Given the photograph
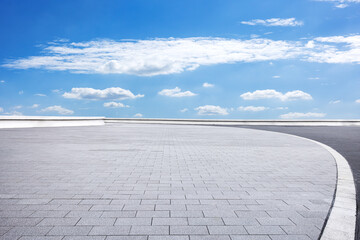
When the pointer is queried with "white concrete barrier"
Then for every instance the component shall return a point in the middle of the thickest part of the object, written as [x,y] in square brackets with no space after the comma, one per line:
[41,121]
[276,122]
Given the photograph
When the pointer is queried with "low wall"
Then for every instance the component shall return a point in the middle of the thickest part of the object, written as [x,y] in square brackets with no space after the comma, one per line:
[34,121]
[41,121]
[337,122]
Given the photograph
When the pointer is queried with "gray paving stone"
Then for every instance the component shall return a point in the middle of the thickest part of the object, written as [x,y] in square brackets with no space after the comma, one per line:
[96,221]
[58,222]
[110,230]
[66,230]
[168,238]
[41,238]
[226,230]
[206,221]
[84,237]
[169,221]
[133,221]
[127,238]
[251,237]
[188,230]
[208,237]
[196,182]
[264,230]
[149,230]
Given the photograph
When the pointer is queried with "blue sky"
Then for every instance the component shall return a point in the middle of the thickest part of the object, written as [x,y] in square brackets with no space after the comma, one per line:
[181,59]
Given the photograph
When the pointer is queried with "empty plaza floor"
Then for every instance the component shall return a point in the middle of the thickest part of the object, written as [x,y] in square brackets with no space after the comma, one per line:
[147,181]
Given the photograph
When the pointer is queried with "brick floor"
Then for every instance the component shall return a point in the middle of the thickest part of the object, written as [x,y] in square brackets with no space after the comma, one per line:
[138,181]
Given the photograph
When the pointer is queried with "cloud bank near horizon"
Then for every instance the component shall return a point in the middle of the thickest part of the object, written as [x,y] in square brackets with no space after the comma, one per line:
[163,56]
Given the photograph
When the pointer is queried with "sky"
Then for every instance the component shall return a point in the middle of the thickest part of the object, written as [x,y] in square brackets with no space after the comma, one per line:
[189,59]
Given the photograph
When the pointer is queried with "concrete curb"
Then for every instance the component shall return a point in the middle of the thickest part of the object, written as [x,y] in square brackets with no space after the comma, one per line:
[34,121]
[342,219]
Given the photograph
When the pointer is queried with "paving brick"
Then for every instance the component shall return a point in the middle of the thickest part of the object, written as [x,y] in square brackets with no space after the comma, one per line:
[58,222]
[110,230]
[206,221]
[188,230]
[169,221]
[96,221]
[149,230]
[133,221]
[66,230]
[226,230]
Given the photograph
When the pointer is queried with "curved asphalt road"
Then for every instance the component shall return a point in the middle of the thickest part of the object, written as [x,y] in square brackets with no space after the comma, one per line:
[345,140]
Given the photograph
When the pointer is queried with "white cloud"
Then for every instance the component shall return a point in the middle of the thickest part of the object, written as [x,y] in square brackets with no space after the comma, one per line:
[295,115]
[273,94]
[336,49]
[1,109]
[176,92]
[114,93]
[276,77]
[35,106]
[252,108]
[2,81]
[138,115]
[184,110]
[40,95]
[357,101]
[17,107]
[115,105]
[335,102]
[282,22]
[340,3]
[14,113]
[208,85]
[174,55]
[313,78]
[21,92]
[281,108]
[56,90]
[57,109]
[211,110]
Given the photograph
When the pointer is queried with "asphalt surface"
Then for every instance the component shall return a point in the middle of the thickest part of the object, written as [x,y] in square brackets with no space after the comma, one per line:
[345,140]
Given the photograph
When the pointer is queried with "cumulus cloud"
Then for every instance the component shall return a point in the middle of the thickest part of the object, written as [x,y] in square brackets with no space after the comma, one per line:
[57,109]
[273,94]
[357,101]
[252,108]
[184,110]
[40,95]
[114,93]
[208,85]
[271,22]
[138,115]
[176,92]
[336,49]
[295,115]
[340,3]
[211,110]
[35,106]
[115,105]
[174,55]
